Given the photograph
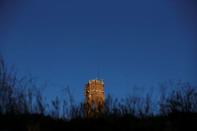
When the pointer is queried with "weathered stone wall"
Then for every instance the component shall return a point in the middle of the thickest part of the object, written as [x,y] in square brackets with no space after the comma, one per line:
[94,98]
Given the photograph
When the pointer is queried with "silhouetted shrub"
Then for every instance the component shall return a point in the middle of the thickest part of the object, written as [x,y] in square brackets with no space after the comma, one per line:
[22,106]
[182,99]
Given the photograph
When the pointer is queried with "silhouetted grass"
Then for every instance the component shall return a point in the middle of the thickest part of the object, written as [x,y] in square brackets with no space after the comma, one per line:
[22,107]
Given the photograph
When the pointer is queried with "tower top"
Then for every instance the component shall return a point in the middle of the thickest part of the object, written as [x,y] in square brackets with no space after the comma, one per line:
[95,81]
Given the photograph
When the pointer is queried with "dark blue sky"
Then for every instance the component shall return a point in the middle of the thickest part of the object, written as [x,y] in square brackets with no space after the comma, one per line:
[66,42]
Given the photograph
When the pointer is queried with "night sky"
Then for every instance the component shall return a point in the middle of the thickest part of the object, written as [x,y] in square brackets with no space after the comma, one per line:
[67,42]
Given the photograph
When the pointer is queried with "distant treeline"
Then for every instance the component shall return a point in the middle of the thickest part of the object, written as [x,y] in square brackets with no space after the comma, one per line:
[21,96]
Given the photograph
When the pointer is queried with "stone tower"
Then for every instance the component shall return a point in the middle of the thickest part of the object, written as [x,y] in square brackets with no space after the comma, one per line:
[94,98]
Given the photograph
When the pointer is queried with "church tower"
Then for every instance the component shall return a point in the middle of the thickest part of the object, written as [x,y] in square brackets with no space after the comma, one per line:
[94,98]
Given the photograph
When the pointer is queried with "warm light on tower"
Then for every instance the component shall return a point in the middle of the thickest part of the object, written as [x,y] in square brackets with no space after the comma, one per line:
[94,98]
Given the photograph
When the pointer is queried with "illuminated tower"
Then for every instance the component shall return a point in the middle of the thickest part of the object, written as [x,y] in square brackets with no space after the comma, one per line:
[94,98]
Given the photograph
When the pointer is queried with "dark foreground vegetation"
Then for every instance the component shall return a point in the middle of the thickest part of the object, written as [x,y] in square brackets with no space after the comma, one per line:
[22,107]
